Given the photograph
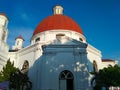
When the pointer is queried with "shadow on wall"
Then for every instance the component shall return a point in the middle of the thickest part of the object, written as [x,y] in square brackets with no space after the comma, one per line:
[62,67]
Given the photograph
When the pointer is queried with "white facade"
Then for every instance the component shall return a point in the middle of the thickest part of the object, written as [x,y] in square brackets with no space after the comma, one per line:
[58,59]
[3,39]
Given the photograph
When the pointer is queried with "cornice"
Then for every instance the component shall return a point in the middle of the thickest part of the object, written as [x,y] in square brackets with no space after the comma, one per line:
[92,49]
[65,46]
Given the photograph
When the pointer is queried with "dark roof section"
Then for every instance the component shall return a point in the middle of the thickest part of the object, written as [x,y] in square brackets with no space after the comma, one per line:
[108,60]
[20,37]
[13,50]
[3,14]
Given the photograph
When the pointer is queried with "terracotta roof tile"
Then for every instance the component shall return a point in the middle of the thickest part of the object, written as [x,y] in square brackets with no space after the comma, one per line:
[20,37]
[57,22]
[107,60]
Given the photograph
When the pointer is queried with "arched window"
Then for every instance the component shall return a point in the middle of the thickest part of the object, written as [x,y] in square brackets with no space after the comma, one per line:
[81,39]
[95,67]
[25,67]
[66,79]
[17,42]
[37,39]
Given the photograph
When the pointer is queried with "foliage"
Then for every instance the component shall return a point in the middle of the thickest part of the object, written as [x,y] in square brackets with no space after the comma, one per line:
[19,81]
[107,77]
[7,70]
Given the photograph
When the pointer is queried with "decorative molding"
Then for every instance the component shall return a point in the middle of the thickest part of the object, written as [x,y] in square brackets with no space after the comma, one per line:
[65,46]
[79,53]
[32,48]
[49,53]
[76,53]
[93,50]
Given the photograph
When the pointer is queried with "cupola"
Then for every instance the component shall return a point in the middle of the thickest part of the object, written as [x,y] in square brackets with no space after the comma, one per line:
[58,10]
[18,43]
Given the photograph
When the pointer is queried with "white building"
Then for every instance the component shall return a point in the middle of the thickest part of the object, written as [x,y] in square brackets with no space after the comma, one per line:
[59,56]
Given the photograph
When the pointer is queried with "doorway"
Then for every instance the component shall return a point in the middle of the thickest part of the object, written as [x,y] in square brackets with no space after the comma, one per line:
[66,80]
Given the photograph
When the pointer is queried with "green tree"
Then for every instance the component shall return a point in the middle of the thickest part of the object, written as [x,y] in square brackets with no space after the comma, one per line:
[17,80]
[7,70]
[107,77]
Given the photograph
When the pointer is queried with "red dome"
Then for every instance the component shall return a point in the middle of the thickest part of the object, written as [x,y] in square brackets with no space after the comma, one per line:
[58,22]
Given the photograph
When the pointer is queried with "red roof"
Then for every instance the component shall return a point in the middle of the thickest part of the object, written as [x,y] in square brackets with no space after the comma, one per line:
[20,37]
[3,14]
[107,60]
[58,22]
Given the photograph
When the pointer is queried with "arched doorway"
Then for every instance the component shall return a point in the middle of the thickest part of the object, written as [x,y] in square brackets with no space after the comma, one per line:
[66,79]
[95,67]
[25,67]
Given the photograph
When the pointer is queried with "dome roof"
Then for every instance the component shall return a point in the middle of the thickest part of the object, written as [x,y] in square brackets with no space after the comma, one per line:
[20,37]
[3,14]
[57,21]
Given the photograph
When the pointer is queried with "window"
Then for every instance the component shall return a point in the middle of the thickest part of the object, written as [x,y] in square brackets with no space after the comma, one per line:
[38,39]
[66,80]
[81,39]
[17,42]
[58,36]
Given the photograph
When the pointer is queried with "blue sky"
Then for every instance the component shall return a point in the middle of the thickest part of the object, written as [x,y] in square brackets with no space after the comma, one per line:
[99,20]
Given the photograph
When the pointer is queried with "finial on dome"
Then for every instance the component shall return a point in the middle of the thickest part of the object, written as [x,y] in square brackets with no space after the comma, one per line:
[58,9]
